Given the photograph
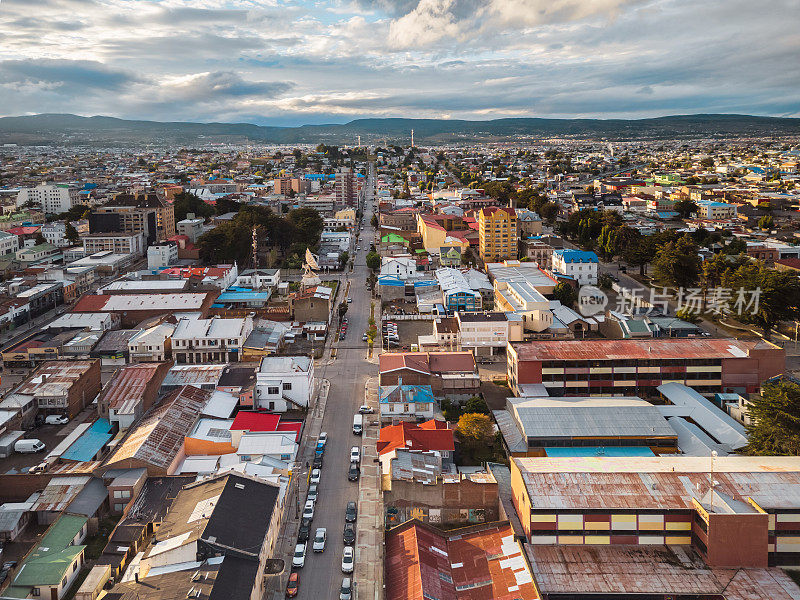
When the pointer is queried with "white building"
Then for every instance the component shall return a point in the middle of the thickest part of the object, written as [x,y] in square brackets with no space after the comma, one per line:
[54,198]
[581,265]
[486,333]
[152,344]
[259,279]
[210,340]
[267,445]
[191,228]
[708,209]
[401,266]
[284,382]
[9,243]
[406,402]
[339,239]
[55,233]
[118,243]
[162,255]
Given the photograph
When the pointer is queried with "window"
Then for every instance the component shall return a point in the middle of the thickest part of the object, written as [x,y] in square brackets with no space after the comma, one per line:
[36,591]
[273,390]
[287,386]
[64,582]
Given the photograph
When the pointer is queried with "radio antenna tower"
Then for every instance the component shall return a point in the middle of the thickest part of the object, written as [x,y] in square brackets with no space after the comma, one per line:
[412,138]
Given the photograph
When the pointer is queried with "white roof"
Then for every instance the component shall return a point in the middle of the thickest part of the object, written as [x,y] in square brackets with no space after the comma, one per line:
[209,328]
[212,430]
[220,405]
[270,442]
[157,284]
[96,321]
[164,302]
[718,424]
[284,364]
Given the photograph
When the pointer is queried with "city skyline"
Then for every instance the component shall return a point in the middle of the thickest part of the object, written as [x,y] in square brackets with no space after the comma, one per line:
[306,62]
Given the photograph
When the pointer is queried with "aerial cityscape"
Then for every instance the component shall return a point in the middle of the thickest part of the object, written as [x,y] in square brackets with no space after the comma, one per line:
[399,300]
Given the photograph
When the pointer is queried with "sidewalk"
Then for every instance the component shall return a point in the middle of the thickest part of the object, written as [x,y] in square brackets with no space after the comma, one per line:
[368,576]
[275,587]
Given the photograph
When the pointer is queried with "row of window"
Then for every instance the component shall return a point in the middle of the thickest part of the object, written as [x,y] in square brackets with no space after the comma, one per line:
[626,376]
[658,362]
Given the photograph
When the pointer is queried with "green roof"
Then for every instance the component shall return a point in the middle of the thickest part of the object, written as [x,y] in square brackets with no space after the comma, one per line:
[39,247]
[392,238]
[48,563]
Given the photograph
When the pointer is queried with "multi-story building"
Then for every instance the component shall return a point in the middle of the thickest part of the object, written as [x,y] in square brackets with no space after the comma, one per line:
[210,340]
[152,344]
[540,253]
[131,392]
[638,367]
[191,227]
[708,209]
[118,243]
[497,227]
[54,198]
[726,508]
[284,383]
[55,233]
[346,187]
[162,255]
[9,243]
[488,333]
[581,265]
[145,213]
[63,388]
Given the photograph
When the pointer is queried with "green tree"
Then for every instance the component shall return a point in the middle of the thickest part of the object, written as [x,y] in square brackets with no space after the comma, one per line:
[685,208]
[476,404]
[707,162]
[308,224]
[40,239]
[549,211]
[766,222]
[71,233]
[639,252]
[374,220]
[677,263]
[343,258]
[778,294]
[565,293]
[185,203]
[373,260]
[688,316]
[475,431]
[774,427]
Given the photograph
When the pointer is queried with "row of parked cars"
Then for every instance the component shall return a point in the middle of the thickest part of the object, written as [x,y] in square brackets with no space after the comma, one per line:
[320,537]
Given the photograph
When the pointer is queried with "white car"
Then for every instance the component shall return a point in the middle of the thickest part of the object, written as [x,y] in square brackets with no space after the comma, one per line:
[365,409]
[355,454]
[299,558]
[313,492]
[348,559]
[56,420]
[308,510]
[316,475]
[323,438]
[319,539]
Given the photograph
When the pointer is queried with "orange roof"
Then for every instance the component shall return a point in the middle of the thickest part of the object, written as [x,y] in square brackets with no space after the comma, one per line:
[426,437]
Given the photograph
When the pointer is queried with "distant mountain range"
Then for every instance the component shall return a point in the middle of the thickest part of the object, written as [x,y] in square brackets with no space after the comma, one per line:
[67,129]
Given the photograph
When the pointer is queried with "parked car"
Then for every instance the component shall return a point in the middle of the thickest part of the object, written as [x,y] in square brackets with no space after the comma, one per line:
[316,475]
[299,558]
[323,438]
[319,539]
[353,472]
[40,468]
[29,446]
[293,586]
[346,592]
[366,410]
[305,530]
[308,510]
[355,454]
[348,559]
[364,337]
[317,464]
[56,420]
[349,534]
[313,492]
[351,512]
[349,300]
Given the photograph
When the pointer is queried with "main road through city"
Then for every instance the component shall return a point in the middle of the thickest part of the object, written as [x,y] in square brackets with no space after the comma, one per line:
[321,577]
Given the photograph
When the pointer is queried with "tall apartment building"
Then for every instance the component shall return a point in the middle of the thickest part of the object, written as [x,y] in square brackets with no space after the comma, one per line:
[118,243]
[346,187]
[285,185]
[144,212]
[497,227]
[54,198]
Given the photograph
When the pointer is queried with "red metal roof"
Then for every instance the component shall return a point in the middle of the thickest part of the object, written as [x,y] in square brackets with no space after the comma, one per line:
[91,303]
[656,349]
[427,362]
[425,437]
[24,230]
[247,420]
[294,426]
[481,562]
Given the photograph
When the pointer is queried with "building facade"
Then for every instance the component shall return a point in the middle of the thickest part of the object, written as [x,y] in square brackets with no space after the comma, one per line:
[497,227]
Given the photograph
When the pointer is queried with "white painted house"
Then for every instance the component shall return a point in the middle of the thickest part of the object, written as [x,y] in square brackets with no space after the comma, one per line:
[284,382]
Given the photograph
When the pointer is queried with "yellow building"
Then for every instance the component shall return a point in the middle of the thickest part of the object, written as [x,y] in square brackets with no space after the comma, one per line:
[498,233]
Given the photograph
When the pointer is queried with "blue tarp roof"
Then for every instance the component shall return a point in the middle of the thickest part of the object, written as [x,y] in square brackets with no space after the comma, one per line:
[624,451]
[90,443]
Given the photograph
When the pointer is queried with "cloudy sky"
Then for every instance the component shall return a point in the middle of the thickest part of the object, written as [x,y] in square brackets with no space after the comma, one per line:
[331,61]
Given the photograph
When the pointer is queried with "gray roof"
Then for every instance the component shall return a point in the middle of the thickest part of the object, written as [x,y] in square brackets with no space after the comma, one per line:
[587,417]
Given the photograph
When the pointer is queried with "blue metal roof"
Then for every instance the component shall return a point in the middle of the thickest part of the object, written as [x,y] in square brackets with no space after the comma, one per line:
[624,451]
[90,443]
[410,393]
[572,256]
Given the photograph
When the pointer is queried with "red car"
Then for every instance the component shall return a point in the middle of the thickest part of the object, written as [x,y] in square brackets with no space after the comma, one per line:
[293,585]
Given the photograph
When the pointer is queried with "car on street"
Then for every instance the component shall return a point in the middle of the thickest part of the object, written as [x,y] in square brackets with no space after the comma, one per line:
[353,472]
[366,410]
[349,299]
[351,512]
[56,420]
[317,464]
[323,438]
[316,475]
[346,592]
[364,337]
[319,539]
[299,557]
[293,586]
[348,559]
[305,530]
[355,454]
[313,492]
[349,534]
[308,510]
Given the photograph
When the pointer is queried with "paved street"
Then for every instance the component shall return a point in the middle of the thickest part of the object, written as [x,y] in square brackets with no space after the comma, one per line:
[321,577]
